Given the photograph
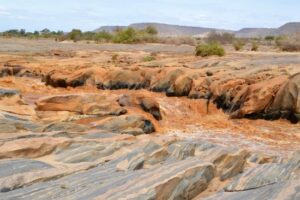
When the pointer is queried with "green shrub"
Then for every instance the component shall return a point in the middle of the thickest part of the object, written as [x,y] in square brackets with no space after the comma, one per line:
[127,36]
[75,35]
[254,46]
[209,49]
[102,36]
[151,30]
[270,38]
[238,45]
[148,58]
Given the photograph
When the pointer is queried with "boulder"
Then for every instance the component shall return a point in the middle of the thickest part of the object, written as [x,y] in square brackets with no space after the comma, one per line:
[124,122]
[287,101]
[201,89]
[124,79]
[148,104]
[181,87]
[253,100]
[15,70]
[89,104]
[165,78]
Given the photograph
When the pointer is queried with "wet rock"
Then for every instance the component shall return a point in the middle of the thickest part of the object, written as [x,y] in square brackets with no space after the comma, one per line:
[151,105]
[125,122]
[286,102]
[15,70]
[148,104]
[254,99]
[201,89]
[164,79]
[181,87]
[90,104]
[125,79]
[224,92]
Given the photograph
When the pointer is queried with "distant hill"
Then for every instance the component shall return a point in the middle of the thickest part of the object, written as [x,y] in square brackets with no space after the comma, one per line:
[254,32]
[109,28]
[166,29]
[289,28]
[181,31]
[176,30]
[286,29]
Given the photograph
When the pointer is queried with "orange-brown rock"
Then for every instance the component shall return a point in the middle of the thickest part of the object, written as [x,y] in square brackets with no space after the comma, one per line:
[129,124]
[148,104]
[89,104]
[256,98]
[287,100]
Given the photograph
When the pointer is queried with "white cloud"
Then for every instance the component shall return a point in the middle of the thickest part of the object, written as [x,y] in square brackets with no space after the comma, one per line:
[4,11]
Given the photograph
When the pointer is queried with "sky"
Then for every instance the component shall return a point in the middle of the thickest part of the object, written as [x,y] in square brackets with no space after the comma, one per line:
[91,14]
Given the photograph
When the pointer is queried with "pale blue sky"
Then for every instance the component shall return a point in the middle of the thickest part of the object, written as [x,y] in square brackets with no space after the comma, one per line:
[91,14]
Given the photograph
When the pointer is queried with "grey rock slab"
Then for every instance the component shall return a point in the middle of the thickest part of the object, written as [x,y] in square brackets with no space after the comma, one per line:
[8,92]
[11,167]
[177,180]
[260,176]
[287,190]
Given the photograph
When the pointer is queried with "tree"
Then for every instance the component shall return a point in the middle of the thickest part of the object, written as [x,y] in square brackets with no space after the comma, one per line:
[45,31]
[151,30]
[75,35]
[22,32]
[36,33]
[128,35]
[103,36]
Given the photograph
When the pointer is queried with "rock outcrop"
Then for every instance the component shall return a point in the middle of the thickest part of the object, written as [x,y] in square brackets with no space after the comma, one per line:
[251,97]
[88,104]
[148,104]
[136,168]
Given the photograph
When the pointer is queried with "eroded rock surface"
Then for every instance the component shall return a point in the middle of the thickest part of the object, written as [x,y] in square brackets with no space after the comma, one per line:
[88,124]
[252,93]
